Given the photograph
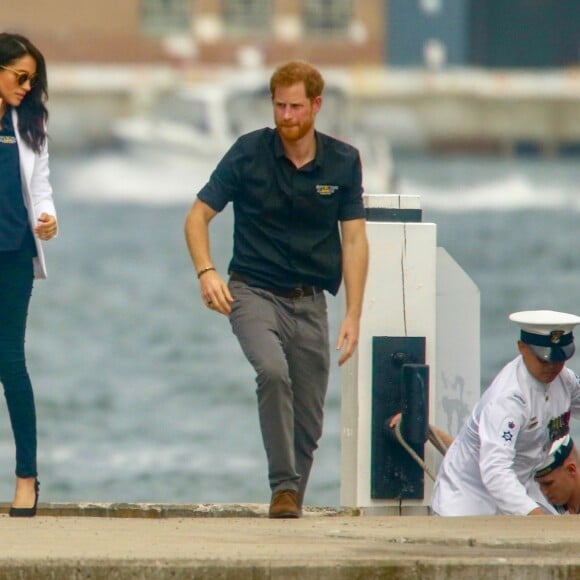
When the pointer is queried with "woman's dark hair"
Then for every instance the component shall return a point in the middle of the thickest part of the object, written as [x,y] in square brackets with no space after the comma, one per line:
[32,113]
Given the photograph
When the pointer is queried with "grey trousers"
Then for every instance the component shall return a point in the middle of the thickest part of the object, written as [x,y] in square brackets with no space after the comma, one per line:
[286,341]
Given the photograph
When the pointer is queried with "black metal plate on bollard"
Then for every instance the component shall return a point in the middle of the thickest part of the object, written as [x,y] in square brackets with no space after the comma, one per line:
[394,473]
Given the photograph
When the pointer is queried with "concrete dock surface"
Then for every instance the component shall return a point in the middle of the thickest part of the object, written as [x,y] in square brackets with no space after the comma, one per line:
[238,541]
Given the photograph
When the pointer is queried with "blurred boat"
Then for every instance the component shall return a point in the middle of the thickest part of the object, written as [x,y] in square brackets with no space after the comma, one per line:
[203,120]
[200,120]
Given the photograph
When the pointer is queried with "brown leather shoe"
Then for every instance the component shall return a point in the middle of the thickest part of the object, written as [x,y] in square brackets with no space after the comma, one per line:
[284,504]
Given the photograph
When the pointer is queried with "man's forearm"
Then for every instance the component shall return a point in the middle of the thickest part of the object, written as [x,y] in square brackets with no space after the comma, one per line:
[355,269]
[197,237]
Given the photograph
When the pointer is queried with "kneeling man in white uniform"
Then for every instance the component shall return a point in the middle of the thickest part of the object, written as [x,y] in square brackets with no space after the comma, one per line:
[489,469]
[559,477]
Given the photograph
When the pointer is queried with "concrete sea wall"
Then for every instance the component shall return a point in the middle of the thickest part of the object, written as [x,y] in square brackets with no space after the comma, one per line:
[237,542]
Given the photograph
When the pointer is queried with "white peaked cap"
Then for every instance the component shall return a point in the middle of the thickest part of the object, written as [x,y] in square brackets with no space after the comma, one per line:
[559,452]
[547,333]
[544,322]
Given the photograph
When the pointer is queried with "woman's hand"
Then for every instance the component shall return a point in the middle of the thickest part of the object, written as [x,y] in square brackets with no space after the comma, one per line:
[47,227]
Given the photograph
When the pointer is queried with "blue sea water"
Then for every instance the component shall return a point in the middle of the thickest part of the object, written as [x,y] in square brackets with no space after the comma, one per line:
[144,395]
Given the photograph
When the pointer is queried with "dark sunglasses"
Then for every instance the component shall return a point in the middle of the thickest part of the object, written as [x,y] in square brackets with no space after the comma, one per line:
[22,76]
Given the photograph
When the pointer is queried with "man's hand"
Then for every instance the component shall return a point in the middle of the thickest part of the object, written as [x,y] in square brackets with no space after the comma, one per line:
[396,418]
[347,339]
[215,292]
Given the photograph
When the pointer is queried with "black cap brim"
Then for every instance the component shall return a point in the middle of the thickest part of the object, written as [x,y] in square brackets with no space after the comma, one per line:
[554,353]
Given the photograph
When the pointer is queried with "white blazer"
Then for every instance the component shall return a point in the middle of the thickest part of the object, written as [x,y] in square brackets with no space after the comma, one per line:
[36,190]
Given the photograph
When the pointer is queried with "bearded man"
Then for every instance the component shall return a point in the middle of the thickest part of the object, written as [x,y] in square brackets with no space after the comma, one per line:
[299,229]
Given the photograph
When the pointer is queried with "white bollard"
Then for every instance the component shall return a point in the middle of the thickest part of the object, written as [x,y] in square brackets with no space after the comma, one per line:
[414,297]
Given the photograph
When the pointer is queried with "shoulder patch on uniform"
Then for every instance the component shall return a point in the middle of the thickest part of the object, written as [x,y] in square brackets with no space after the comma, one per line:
[508,432]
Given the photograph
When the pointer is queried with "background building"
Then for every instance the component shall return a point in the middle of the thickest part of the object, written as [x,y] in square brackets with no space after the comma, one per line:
[205,32]
[486,33]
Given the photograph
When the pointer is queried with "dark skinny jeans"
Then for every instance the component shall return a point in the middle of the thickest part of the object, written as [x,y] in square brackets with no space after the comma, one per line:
[16,278]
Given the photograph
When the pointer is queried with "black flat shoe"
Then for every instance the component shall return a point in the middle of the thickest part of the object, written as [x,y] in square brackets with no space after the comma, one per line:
[26,512]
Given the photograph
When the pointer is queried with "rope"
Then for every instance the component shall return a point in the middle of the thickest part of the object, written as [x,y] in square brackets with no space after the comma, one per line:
[411,451]
[436,441]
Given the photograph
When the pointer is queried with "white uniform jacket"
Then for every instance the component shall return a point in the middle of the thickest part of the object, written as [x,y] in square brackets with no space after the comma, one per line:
[36,190]
[489,468]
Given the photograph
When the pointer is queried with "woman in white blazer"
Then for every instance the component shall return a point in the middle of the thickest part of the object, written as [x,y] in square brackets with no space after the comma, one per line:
[27,217]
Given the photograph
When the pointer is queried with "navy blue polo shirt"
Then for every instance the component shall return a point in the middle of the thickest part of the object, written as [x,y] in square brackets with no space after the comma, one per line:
[286,228]
[14,225]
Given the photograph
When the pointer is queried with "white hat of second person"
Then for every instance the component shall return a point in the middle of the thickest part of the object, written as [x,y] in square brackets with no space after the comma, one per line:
[559,452]
[547,332]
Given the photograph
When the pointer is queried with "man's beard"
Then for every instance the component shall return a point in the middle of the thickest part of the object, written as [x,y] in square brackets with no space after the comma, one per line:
[295,132]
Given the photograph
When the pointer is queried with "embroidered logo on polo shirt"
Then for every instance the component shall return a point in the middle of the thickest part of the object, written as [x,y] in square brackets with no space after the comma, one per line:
[326,189]
[7,140]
